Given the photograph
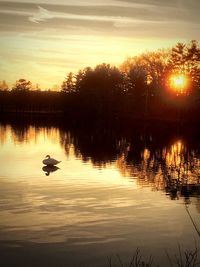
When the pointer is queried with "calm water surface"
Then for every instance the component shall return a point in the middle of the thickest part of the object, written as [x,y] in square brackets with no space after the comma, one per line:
[110,195]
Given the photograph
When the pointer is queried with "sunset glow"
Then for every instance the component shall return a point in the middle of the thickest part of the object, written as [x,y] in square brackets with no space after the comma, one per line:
[179,83]
[42,41]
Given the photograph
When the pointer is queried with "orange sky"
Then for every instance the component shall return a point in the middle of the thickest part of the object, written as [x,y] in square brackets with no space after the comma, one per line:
[44,40]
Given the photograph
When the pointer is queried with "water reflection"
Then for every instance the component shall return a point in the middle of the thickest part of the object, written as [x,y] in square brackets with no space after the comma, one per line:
[151,156]
[112,193]
[158,160]
[173,168]
[99,146]
[49,169]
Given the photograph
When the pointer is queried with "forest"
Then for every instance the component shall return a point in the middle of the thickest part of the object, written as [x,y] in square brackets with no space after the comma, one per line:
[160,85]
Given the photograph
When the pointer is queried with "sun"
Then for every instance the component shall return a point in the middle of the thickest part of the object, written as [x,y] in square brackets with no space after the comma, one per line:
[179,83]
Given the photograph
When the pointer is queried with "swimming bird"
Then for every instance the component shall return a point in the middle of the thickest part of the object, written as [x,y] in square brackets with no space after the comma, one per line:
[50,161]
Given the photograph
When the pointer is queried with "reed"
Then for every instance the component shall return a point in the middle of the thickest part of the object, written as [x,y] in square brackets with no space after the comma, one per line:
[187,258]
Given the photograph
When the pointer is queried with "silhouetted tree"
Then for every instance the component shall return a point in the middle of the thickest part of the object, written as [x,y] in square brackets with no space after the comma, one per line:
[138,88]
[22,85]
[185,59]
[3,86]
[193,61]
[37,87]
[68,86]
[146,71]
[97,91]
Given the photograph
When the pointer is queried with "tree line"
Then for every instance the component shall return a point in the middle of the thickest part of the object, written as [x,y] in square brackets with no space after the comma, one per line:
[156,84]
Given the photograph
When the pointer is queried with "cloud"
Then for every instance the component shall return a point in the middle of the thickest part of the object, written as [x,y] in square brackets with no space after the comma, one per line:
[104,17]
[42,15]
[164,3]
[142,20]
[115,11]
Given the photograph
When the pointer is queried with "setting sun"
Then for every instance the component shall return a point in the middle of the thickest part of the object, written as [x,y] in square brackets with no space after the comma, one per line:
[179,82]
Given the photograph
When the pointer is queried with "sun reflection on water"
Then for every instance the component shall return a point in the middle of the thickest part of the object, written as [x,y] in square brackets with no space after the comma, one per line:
[108,191]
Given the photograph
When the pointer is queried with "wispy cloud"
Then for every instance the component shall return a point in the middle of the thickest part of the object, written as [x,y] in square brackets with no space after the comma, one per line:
[114,11]
[44,14]
[141,13]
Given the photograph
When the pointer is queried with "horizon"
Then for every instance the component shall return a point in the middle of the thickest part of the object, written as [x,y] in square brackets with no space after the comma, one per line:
[45,40]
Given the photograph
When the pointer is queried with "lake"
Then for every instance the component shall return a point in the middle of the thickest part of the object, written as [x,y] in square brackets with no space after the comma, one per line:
[114,191]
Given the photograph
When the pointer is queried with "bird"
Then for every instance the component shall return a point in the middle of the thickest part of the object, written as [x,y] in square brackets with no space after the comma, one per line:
[50,161]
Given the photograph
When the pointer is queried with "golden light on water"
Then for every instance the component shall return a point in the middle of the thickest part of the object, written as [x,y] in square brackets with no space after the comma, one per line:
[174,155]
[179,83]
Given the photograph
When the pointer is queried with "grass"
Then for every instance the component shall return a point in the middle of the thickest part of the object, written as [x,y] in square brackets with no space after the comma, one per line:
[187,258]
[135,261]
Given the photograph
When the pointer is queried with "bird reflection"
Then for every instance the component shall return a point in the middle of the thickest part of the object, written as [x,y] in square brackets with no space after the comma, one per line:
[49,169]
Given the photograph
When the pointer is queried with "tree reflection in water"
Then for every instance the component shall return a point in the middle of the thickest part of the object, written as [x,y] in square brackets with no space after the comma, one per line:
[164,161]
[151,155]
